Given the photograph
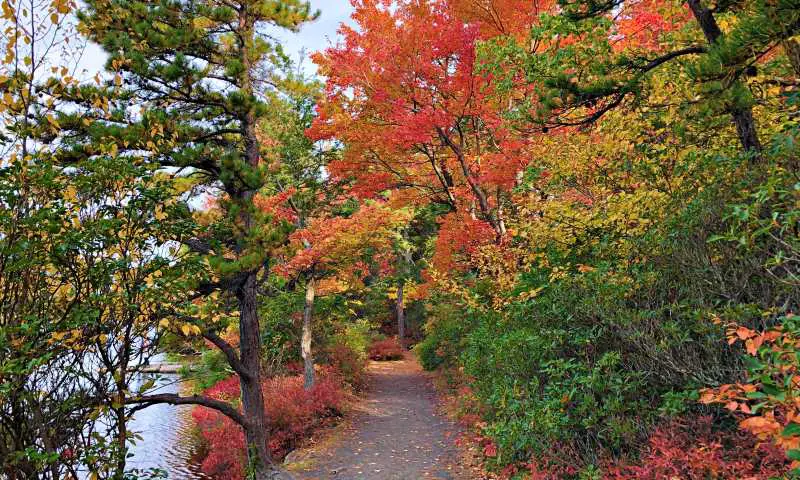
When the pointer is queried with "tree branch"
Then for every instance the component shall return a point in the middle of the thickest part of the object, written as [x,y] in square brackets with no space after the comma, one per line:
[198,245]
[230,354]
[650,65]
[224,408]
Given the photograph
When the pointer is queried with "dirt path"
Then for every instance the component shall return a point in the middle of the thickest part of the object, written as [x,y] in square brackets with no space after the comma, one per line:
[396,434]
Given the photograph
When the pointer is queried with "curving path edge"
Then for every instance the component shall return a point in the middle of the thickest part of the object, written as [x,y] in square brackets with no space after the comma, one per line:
[395,433]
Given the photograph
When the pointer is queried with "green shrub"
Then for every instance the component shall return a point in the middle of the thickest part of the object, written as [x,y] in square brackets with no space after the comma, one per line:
[212,368]
[445,333]
[356,336]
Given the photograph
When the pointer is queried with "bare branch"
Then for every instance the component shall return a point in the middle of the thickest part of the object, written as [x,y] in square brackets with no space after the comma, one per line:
[224,408]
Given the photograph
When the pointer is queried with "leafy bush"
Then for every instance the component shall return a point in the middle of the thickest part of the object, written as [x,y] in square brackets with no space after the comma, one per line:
[445,334]
[595,343]
[693,449]
[767,402]
[356,336]
[540,397]
[386,349]
[349,363]
[292,413]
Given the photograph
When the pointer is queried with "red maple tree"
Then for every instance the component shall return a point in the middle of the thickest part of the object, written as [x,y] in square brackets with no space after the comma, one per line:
[417,116]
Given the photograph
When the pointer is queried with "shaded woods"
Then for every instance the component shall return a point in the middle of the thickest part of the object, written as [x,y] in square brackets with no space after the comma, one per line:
[584,216]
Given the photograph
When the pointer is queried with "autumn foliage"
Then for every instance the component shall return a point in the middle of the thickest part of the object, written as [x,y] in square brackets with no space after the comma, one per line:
[338,247]
[694,449]
[768,405]
[416,114]
[585,212]
[386,349]
[598,198]
[292,413]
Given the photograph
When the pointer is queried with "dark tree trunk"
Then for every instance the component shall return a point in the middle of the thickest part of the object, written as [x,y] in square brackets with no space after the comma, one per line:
[401,313]
[305,342]
[122,440]
[252,397]
[746,128]
[742,116]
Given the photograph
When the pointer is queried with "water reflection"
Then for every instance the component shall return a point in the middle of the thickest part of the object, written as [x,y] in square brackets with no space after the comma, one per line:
[167,439]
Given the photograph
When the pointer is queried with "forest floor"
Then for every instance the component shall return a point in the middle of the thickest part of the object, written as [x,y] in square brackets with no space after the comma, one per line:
[395,433]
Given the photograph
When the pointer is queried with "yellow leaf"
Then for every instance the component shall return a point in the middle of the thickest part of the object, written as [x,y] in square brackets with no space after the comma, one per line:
[159,213]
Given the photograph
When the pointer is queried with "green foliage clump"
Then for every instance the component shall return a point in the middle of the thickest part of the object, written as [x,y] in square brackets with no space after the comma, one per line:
[356,336]
[603,353]
[445,335]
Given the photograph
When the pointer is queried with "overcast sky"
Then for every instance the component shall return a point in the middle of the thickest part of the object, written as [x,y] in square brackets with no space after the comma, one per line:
[320,34]
[312,37]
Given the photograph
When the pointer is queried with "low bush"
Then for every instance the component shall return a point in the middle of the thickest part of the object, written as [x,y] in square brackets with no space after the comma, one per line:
[349,363]
[292,413]
[386,349]
[445,333]
[693,449]
[356,336]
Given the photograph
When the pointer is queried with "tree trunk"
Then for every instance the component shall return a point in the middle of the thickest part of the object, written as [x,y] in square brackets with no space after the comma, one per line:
[746,128]
[742,116]
[401,313]
[305,343]
[122,440]
[258,455]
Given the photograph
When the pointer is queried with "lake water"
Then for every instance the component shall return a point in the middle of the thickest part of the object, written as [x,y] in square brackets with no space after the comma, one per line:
[167,435]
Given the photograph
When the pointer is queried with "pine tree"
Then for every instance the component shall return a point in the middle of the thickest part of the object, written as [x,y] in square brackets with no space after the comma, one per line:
[201,72]
[589,56]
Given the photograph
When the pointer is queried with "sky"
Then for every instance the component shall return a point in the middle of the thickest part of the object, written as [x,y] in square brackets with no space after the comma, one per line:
[321,33]
[312,37]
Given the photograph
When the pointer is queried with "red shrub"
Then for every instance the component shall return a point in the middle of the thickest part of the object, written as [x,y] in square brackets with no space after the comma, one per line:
[556,464]
[387,349]
[294,368]
[693,450]
[292,413]
[349,364]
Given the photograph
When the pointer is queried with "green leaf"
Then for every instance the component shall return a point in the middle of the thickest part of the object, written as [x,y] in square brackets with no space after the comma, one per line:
[793,454]
[755,395]
[791,430]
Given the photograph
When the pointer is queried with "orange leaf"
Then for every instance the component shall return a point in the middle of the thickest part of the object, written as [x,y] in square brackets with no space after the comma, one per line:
[761,426]
[744,333]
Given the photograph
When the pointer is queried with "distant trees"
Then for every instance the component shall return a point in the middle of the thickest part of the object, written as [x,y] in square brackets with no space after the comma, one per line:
[334,253]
